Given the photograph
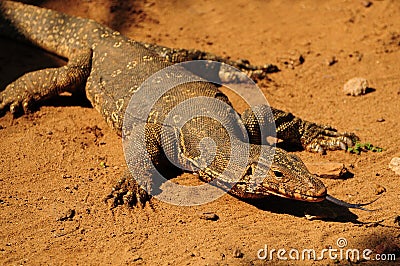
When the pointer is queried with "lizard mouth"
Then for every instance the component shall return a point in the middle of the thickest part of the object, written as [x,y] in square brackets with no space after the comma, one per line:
[318,197]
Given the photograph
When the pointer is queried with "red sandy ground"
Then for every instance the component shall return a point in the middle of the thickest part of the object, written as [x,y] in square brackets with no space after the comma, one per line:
[51,160]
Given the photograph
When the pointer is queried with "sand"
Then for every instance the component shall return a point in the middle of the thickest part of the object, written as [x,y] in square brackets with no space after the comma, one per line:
[53,180]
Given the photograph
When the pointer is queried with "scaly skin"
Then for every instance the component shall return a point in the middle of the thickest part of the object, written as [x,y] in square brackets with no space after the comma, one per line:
[112,67]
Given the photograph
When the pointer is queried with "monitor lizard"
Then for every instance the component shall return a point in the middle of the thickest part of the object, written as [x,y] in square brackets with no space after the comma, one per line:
[110,67]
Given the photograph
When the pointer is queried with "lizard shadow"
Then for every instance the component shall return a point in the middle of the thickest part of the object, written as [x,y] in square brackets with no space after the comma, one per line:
[16,59]
[78,99]
[119,16]
[324,210]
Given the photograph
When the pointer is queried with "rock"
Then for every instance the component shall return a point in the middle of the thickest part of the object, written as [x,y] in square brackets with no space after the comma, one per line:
[331,61]
[379,189]
[208,216]
[366,3]
[237,253]
[136,258]
[329,170]
[68,215]
[397,220]
[355,86]
[395,165]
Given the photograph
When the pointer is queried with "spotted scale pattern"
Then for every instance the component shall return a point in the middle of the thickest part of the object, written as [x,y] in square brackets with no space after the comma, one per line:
[111,67]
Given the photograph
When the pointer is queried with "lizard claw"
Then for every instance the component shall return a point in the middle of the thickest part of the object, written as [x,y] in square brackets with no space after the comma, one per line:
[324,143]
[329,139]
[34,87]
[16,99]
[128,192]
[21,106]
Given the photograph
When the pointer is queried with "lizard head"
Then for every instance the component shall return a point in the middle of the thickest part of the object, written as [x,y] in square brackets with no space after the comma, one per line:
[286,176]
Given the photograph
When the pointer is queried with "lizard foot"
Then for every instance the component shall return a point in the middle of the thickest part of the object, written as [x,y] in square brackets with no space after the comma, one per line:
[16,97]
[33,87]
[128,192]
[327,138]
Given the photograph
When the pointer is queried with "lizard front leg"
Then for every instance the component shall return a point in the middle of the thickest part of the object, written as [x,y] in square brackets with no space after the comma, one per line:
[145,152]
[295,131]
[43,84]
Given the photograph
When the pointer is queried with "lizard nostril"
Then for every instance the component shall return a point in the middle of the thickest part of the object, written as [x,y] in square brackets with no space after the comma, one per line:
[317,188]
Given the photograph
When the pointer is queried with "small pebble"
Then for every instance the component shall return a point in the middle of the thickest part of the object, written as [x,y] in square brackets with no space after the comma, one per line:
[355,86]
[67,216]
[208,216]
[397,220]
[366,3]
[395,165]
[136,258]
[380,120]
[237,253]
[331,61]
[379,189]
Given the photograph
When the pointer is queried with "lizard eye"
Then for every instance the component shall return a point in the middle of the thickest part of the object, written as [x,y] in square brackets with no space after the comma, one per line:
[278,174]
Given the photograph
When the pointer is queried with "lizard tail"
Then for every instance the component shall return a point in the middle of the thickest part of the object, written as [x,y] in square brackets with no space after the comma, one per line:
[50,30]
